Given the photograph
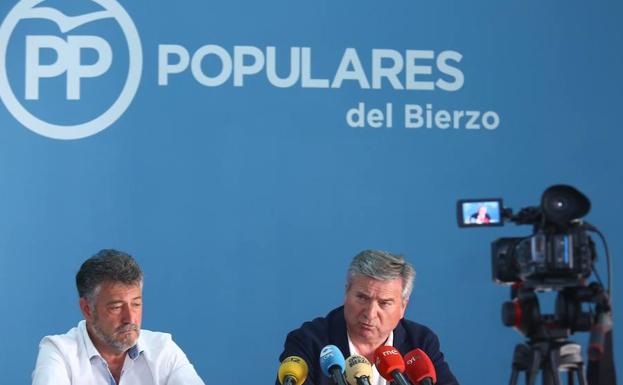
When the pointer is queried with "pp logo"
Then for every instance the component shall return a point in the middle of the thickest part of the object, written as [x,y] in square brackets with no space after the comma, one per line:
[65,59]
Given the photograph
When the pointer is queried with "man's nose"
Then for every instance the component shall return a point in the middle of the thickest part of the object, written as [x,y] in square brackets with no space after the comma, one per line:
[370,310]
[128,315]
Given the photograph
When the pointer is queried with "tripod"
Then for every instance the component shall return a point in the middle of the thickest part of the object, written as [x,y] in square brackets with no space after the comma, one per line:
[547,349]
[551,357]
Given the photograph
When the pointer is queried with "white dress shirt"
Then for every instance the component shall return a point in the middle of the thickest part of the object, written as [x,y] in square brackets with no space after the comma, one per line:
[376,377]
[72,359]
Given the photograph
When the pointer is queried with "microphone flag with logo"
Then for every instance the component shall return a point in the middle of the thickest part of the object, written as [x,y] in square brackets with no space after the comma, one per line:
[390,364]
[332,363]
[358,370]
[292,371]
[420,368]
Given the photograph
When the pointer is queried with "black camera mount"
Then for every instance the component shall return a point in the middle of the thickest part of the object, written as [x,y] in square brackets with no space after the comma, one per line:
[547,348]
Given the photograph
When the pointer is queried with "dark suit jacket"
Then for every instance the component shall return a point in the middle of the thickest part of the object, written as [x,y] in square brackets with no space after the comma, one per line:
[307,341]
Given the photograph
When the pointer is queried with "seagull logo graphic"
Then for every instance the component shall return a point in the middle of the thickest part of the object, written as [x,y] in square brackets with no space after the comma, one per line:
[69,49]
[65,23]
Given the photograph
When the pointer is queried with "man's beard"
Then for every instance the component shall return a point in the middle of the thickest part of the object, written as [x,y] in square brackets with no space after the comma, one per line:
[120,339]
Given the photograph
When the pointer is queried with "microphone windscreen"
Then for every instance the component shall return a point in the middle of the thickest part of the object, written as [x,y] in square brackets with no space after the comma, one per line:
[419,366]
[357,366]
[295,367]
[331,356]
[388,359]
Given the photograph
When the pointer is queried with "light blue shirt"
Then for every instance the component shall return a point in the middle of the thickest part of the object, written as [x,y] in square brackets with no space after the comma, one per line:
[72,359]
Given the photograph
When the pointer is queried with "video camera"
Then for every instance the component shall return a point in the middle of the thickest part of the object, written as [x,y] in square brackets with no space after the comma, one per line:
[558,254]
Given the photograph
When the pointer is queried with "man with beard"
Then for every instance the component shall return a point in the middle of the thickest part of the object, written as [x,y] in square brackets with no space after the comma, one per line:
[378,286]
[108,345]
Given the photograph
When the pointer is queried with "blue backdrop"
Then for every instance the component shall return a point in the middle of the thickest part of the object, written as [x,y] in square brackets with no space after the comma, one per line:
[245,202]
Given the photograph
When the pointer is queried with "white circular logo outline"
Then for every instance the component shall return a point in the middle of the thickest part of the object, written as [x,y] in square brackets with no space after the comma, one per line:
[93,126]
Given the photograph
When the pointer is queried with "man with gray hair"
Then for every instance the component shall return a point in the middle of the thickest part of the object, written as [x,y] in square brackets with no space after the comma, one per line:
[378,286]
[108,346]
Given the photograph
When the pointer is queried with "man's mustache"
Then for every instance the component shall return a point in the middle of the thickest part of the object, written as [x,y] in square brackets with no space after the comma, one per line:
[127,328]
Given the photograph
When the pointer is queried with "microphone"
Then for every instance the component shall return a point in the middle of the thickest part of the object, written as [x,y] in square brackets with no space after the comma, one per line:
[358,370]
[292,371]
[332,363]
[390,364]
[420,368]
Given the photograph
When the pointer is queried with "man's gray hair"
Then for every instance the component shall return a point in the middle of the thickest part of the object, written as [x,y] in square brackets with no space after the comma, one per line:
[107,265]
[383,266]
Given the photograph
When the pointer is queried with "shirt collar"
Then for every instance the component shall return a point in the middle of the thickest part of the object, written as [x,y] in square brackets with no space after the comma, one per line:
[376,378]
[134,352]
[353,350]
[88,344]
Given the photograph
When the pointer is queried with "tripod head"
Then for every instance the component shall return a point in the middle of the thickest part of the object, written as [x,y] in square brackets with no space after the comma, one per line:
[524,314]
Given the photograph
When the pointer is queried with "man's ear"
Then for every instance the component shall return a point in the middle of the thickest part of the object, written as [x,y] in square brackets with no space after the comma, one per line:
[404,306]
[86,310]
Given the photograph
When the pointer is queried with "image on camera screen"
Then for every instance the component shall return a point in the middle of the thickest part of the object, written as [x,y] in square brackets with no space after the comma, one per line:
[483,212]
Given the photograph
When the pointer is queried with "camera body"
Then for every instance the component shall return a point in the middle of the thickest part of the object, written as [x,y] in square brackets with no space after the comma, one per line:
[543,260]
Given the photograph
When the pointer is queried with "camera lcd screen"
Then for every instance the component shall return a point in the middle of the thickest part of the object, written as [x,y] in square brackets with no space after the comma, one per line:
[479,212]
